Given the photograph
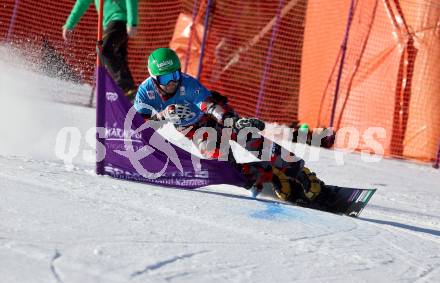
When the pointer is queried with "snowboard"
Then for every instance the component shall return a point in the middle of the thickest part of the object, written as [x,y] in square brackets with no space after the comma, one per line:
[341,200]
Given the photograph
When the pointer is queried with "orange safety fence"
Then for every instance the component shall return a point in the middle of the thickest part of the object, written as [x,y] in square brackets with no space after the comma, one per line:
[390,78]
[278,60]
[237,60]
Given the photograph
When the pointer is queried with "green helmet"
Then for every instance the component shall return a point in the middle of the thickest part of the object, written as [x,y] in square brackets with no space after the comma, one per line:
[163,61]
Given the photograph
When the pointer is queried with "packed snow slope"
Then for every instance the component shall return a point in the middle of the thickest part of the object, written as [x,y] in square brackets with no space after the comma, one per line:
[65,224]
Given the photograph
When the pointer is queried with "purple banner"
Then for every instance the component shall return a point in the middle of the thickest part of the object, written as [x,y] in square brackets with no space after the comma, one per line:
[134,150]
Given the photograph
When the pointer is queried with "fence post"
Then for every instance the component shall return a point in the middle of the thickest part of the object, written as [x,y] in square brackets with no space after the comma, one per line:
[341,66]
[188,48]
[12,21]
[205,32]
[100,95]
[268,59]
[437,160]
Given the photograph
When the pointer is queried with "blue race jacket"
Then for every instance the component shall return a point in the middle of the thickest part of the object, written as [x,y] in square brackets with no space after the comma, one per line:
[190,92]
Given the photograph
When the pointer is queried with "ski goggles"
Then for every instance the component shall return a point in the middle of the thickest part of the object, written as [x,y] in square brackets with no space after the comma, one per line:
[167,78]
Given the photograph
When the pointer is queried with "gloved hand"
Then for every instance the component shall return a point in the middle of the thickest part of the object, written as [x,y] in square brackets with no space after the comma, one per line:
[131,31]
[245,122]
[167,114]
[175,113]
[231,119]
[67,34]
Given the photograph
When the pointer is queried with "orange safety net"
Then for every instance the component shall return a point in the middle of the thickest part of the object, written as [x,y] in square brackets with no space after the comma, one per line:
[187,40]
[278,60]
[236,48]
[38,30]
[252,54]
[390,77]
[422,134]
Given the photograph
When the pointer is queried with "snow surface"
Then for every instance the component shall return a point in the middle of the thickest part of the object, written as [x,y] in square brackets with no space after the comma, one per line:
[64,224]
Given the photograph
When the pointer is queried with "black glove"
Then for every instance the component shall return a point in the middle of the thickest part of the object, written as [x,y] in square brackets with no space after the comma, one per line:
[245,122]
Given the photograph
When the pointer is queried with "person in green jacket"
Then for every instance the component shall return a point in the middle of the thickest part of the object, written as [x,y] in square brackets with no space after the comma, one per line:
[120,22]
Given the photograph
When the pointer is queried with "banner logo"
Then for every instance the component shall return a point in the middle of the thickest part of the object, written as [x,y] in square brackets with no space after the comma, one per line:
[156,143]
[111,96]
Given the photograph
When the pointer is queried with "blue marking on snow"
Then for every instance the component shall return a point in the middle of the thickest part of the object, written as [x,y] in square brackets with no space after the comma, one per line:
[275,211]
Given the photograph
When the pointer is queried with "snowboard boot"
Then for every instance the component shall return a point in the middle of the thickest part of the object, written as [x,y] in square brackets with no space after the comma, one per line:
[281,184]
[256,175]
[259,173]
[306,187]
